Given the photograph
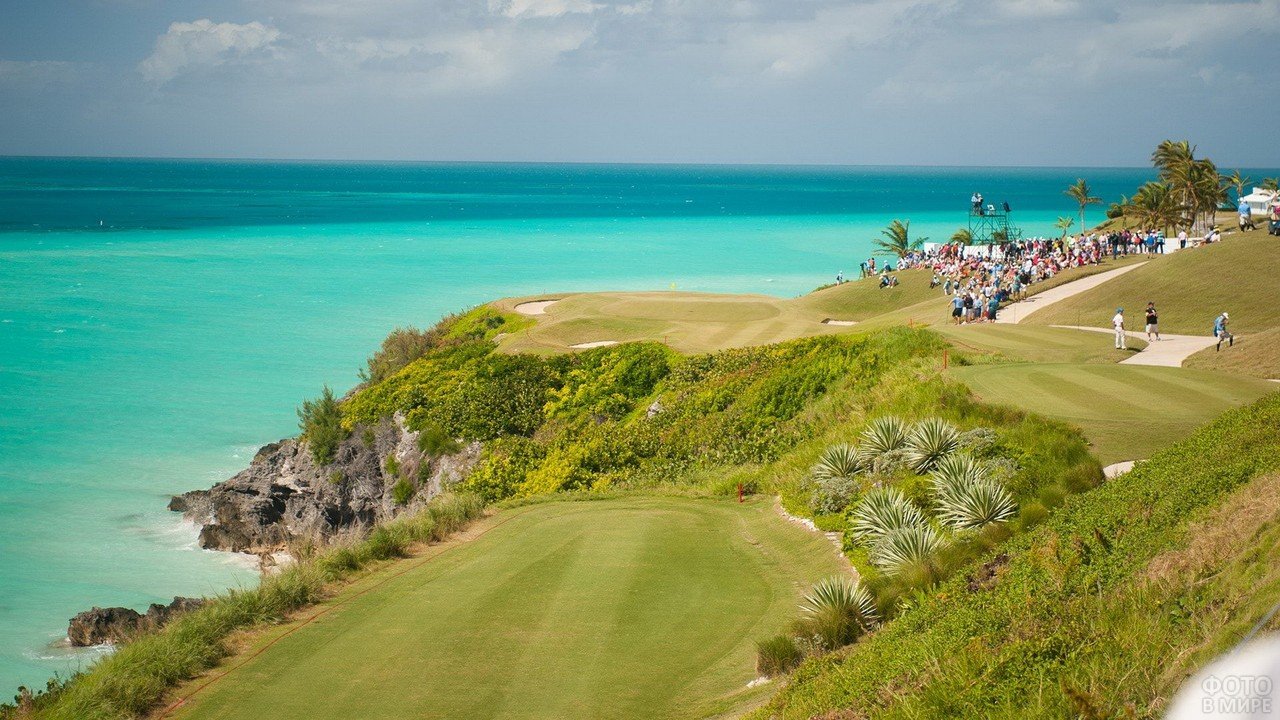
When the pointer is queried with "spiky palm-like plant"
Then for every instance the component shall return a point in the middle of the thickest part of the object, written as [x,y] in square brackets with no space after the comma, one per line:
[954,473]
[838,461]
[975,505]
[881,511]
[904,547]
[883,435]
[931,440]
[843,595]
[836,613]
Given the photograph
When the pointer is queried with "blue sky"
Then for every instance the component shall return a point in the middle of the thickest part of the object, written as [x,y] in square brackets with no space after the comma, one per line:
[1009,82]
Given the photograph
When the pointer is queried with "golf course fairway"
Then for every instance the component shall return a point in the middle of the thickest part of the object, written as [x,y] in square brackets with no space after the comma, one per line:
[638,607]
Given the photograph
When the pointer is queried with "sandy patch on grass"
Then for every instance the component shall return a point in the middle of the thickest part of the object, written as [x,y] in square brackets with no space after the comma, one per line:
[537,307]
[596,344]
[841,323]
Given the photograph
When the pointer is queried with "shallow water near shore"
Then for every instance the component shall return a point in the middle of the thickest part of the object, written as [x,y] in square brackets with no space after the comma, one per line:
[159,321]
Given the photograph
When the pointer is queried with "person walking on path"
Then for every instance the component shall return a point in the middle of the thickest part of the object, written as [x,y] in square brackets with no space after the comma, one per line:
[1220,331]
[1153,323]
[1118,323]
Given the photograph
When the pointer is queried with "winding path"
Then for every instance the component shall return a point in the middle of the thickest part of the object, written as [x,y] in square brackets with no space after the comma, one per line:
[1169,351]
[1017,312]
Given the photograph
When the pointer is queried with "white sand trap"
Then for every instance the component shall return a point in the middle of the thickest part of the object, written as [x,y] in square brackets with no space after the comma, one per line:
[538,307]
[841,323]
[596,344]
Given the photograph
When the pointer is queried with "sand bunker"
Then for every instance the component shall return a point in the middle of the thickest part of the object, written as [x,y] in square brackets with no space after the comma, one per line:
[596,344]
[538,307]
[841,323]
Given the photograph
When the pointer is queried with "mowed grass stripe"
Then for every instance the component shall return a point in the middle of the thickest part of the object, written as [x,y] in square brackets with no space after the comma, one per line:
[1128,412]
[629,608]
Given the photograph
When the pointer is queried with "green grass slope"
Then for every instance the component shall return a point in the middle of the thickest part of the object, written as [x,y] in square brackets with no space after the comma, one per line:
[1190,288]
[1128,412]
[1100,612]
[1257,355]
[627,608]
[702,322]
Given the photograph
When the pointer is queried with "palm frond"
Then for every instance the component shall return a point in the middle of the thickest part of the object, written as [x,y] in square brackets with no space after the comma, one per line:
[881,511]
[931,440]
[883,435]
[838,461]
[975,505]
[905,546]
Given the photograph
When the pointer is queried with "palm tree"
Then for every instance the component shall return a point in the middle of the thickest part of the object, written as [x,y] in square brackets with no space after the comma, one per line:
[1169,157]
[962,237]
[1208,191]
[1118,209]
[1155,205]
[1064,224]
[897,239]
[1239,182]
[1271,184]
[1080,193]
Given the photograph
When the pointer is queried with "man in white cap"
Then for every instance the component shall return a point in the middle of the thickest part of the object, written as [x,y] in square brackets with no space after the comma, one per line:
[1118,323]
[1220,331]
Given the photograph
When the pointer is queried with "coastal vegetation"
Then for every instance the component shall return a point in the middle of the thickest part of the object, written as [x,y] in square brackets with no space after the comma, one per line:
[1101,611]
[134,679]
[962,519]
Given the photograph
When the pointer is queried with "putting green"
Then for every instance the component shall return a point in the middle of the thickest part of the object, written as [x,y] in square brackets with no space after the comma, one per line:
[1128,412]
[699,322]
[625,608]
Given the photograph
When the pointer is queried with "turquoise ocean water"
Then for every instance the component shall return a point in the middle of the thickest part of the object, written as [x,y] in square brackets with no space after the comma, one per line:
[160,320]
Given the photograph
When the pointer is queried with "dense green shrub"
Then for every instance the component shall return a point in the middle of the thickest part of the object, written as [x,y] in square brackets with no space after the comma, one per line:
[1067,620]
[321,423]
[401,347]
[403,491]
[434,441]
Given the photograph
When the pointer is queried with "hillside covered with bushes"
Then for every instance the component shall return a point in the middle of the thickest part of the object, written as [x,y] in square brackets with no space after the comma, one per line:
[640,417]
[1101,611]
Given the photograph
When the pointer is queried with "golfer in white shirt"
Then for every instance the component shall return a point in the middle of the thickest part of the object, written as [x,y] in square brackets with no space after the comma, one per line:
[1118,323]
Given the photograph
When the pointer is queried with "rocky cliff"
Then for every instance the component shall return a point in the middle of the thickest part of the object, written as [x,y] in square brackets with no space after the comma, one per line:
[120,624]
[283,496]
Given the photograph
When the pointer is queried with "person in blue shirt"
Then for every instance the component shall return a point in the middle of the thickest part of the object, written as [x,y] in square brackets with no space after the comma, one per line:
[1220,331]
[957,307]
[1246,216]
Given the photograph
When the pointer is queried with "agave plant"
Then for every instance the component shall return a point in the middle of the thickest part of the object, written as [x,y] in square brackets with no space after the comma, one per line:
[883,435]
[905,546]
[953,473]
[843,595]
[931,440]
[838,461]
[881,511]
[976,504]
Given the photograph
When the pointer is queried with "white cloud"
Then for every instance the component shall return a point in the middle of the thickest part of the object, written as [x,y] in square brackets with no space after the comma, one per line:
[204,43]
[542,8]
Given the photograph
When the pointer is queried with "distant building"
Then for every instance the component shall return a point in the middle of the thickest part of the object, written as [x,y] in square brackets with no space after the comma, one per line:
[1260,201]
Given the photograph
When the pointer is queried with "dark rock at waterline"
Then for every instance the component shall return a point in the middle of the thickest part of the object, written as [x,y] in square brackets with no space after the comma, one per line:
[118,624]
[283,497]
